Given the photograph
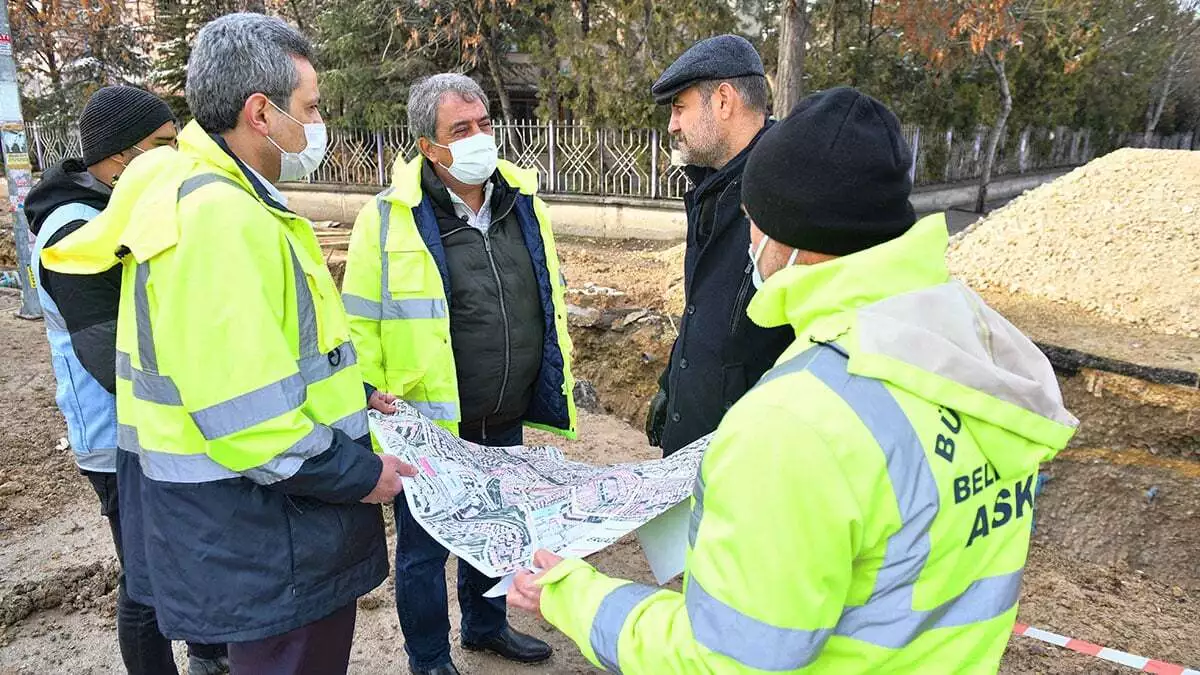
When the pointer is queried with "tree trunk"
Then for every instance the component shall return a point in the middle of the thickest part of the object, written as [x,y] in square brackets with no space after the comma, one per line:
[492,62]
[997,130]
[1154,109]
[585,18]
[793,33]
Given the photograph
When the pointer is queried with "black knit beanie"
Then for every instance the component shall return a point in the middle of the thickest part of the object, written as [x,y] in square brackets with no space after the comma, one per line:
[116,119]
[832,177]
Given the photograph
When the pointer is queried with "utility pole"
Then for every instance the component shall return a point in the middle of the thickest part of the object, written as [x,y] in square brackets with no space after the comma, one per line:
[17,167]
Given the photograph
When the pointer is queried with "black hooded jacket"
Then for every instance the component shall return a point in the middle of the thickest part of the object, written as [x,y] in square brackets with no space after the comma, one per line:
[87,302]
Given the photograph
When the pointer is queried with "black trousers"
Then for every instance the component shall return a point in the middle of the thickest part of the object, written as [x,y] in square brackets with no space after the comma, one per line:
[144,649]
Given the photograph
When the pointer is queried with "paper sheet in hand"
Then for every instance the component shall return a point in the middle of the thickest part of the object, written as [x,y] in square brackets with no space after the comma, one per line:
[493,507]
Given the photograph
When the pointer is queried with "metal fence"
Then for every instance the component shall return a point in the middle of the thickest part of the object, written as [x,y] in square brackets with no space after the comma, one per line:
[574,159]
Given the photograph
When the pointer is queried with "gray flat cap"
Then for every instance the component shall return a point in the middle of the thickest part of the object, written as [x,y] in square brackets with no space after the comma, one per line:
[718,58]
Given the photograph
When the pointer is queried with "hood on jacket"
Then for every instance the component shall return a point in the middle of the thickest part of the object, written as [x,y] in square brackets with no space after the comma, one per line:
[903,320]
[134,220]
[67,182]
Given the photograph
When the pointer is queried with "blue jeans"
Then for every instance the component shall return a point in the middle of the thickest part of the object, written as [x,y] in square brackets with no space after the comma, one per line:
[421,600]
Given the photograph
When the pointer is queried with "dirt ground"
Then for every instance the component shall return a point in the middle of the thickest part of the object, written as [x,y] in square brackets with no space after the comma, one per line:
[1114,559]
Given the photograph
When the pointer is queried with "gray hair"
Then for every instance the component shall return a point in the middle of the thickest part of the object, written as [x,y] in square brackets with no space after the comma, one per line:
[426,95]
[752,89]
[239,55]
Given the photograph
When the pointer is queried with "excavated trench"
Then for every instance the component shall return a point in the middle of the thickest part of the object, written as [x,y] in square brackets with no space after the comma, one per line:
[1125,494]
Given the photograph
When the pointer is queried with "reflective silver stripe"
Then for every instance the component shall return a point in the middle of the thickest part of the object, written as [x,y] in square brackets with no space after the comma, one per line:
[983,600]
[353,425]
[361,307]
[435,410]
[753,643]
[385,223]
[124,366]
[610,619]
[415,308]
[167,467]
[697,508]
[145,333]
[888,618]
[242,412]
[411,308]
[155,388]
[306,310]
[148,385]
[196,182]
[323,366]
[286,464]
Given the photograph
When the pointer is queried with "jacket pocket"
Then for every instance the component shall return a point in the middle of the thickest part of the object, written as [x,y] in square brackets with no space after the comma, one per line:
[733,384]
[407,271]
[330,539]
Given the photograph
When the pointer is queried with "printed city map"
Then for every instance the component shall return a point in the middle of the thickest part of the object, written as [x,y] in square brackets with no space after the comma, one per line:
[493,507]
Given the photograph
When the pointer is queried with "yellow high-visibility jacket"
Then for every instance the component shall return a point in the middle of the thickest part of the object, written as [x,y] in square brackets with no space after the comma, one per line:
[240,407]
[867,507]
[395,292]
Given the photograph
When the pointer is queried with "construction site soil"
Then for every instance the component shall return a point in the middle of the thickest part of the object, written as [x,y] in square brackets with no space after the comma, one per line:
[1114,559]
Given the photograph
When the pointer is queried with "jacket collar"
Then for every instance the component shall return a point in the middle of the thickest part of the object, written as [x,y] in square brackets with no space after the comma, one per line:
[503,195]
[817,300]
[249,176]
[407,182]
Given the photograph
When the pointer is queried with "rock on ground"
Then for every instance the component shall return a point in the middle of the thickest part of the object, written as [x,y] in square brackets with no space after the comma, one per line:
[1119,237]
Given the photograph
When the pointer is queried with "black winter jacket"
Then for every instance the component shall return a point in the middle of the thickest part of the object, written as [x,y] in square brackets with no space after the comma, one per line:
[496,319]
[719,354]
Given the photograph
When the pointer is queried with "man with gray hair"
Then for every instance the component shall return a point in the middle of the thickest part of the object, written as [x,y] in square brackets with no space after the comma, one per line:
[249,491]
[456,305]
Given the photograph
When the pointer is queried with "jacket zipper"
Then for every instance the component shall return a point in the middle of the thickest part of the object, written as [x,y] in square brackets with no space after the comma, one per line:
[741,298]
[487,246]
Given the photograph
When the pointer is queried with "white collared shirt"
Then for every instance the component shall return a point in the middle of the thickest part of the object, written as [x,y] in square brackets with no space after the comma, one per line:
[480,221]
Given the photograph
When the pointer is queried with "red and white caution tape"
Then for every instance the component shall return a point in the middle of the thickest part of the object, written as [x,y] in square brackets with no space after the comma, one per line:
[1140,662]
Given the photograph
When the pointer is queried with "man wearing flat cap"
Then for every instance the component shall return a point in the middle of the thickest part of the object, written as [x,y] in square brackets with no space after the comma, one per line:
[840,523]
[718,97]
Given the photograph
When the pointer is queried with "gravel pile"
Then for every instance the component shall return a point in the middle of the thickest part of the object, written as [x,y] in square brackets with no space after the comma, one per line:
[1119,237]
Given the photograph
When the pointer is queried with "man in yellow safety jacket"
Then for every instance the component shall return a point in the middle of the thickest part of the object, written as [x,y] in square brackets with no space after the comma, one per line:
[867,507]
[245,460]
[456,305]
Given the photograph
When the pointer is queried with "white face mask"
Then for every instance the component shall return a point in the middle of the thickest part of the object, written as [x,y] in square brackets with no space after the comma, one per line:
[757,277]
[474,158]
[298,165]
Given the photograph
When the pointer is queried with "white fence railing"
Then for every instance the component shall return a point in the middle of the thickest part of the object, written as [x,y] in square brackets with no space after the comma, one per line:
[580,160]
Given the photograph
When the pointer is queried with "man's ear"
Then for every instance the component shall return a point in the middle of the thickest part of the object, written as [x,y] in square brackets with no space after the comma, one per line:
[726,96]
[254,112]
[425,148]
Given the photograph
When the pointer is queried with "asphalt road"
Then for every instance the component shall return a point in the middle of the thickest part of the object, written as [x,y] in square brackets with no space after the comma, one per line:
[957,219]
